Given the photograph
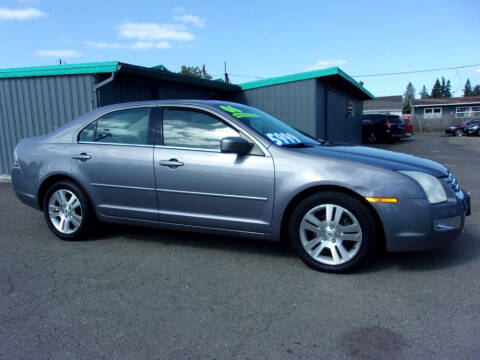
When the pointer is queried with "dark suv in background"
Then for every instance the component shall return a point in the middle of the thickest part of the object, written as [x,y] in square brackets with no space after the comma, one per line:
[380,127]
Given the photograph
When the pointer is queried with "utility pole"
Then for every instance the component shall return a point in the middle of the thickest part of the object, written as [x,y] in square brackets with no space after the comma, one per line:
[204,72]
[227,80]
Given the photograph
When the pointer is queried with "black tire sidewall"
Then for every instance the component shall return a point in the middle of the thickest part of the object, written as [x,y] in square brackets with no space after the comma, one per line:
[356,207]
[85,204]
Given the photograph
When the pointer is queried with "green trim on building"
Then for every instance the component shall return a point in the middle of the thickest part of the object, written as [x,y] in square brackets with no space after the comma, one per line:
[66,69]
[304,76]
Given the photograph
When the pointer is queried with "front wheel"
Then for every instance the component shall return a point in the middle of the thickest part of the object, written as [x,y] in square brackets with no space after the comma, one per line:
[67,211]
[458,132]
[332,232]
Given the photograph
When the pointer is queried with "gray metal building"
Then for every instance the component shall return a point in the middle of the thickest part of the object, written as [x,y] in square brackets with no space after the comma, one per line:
[34,101]
[37,100]
[326,104]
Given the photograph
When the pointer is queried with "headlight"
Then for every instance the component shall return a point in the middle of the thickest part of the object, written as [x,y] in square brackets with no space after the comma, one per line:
[430,184]
[475,127]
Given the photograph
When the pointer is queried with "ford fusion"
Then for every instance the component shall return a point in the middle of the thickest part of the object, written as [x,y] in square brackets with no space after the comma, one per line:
[226,168]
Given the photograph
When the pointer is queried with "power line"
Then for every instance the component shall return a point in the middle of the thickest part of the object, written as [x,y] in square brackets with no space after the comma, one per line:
[380,74]
[418,71]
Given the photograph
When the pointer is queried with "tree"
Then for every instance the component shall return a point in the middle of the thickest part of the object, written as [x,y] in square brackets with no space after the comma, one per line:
[436,90]
[424,93]
[447,90]
[195,71]
[467,90]
[476,91]
[408,95]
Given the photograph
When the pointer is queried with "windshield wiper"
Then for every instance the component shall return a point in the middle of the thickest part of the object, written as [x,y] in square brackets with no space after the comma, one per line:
[298,145]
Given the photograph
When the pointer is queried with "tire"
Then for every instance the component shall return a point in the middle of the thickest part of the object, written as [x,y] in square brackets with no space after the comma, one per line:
[458,132]
[352,236]
[68,211]
[372,139]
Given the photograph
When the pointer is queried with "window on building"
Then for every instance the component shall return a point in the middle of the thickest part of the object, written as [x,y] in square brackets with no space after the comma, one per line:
[432,113]
[194,129]
[467,111]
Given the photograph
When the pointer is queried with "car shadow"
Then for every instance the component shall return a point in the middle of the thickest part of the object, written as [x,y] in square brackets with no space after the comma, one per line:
[461,251]
[192,239]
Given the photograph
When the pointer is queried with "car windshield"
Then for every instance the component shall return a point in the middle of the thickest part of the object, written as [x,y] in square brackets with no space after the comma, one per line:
[268,126]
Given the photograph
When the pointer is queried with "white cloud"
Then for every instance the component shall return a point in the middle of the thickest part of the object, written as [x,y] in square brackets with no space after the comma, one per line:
[477,70]
[190,19]
[139,45]
[153,31]
[20,14]
[61,53]
[323,64]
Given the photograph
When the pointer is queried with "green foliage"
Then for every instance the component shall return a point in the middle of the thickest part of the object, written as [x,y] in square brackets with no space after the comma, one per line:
[408,95]
[424,93]
[441,89]
[476,90]
[436,90]
[195,71]
[467,90]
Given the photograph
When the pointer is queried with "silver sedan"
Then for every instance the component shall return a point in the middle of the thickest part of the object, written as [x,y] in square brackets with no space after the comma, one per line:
[226,168]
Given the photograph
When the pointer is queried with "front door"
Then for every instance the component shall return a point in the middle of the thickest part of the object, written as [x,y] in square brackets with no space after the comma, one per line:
[198,185]
[113,158]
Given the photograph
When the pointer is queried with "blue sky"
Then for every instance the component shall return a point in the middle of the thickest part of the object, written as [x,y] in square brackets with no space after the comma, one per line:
[257,38]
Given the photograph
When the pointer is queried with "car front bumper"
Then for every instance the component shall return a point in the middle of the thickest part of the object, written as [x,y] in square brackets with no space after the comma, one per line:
[415,224]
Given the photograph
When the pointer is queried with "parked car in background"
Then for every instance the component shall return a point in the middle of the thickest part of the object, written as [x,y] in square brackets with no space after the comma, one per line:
[458,129]
[472,130]
[408,130]
[227,168]
[380,127]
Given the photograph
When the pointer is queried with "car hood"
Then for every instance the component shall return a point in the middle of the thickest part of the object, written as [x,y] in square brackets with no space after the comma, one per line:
[379,158]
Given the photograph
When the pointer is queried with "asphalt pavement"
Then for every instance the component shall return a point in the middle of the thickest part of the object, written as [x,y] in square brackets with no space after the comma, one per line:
[135,293]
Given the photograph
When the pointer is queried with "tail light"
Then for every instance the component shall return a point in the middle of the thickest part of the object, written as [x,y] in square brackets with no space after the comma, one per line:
[387,124]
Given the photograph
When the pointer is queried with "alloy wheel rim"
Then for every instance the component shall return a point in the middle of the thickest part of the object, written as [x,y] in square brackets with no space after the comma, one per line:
[330,234]
[65,211]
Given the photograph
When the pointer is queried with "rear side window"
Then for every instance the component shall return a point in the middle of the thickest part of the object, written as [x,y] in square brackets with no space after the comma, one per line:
[120,127]
[194,129]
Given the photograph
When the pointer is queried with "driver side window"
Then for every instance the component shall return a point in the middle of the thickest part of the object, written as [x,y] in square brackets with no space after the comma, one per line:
[194,129]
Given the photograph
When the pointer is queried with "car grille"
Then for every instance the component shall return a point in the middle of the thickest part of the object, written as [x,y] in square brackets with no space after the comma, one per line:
[451,181]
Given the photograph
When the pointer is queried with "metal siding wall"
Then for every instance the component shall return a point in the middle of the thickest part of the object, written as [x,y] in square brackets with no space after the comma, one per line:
[37,105]
[340,127]
[294,103]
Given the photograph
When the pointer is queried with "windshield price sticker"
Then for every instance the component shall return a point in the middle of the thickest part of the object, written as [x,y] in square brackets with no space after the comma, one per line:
[283,138]
[237,112]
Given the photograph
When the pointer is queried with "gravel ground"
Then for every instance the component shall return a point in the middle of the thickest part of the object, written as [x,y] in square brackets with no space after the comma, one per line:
[149,294]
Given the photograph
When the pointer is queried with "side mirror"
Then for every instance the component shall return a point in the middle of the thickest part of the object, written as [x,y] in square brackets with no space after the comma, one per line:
[235,145]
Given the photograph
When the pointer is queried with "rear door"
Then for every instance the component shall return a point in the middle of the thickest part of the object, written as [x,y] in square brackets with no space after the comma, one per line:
[113,159]
[198,185]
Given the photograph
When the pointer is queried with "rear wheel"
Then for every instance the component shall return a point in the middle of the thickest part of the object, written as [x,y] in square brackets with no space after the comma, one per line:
[332,232]
[67,211]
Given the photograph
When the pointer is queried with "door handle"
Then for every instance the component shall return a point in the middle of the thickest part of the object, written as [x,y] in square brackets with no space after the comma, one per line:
[82,156]
[172,163]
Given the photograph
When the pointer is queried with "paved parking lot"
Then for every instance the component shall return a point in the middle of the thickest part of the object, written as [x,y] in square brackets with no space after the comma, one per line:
[149,294]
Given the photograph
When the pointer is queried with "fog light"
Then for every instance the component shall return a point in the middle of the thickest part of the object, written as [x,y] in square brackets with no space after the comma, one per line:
[445,224]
